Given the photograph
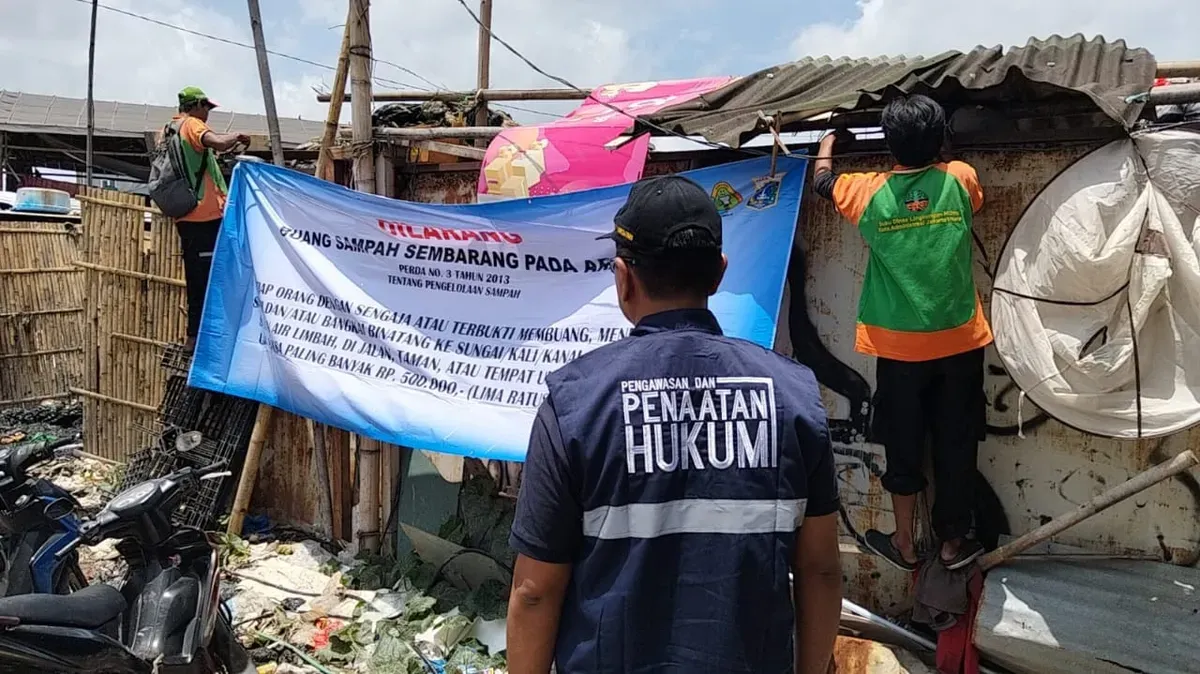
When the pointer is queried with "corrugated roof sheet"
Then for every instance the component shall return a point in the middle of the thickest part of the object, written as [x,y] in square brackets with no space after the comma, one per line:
[1056,616]
[1051,70]
[36,113]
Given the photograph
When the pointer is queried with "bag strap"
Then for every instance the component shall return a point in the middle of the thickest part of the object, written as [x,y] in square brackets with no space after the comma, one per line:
[201,169]
[175,139]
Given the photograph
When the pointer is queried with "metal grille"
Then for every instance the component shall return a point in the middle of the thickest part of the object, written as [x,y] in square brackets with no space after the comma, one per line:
[225,422]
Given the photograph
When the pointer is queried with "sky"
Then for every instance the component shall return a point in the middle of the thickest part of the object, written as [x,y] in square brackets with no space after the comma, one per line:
[43,43]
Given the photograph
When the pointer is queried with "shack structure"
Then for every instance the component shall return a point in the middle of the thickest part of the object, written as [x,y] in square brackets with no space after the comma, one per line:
[1020,116]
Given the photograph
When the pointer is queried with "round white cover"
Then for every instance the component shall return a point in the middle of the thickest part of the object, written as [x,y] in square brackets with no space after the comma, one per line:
[1121,222]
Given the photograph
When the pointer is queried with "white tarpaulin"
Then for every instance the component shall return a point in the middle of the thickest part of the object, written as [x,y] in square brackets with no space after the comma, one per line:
[1096,301]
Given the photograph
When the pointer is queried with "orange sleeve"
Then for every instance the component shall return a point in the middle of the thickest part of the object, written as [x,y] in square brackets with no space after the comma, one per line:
[966,176]
[853,191]
[192,130]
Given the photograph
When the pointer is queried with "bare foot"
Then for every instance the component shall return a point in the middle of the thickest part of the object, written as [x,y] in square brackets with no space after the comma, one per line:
[950,549]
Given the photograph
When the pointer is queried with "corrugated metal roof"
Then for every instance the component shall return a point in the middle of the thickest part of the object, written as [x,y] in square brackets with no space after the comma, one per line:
[1056,69]
[36,113]
[1063,617]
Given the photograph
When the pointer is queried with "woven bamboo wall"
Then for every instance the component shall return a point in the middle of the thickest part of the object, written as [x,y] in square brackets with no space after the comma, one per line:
[41,311]
[134,307]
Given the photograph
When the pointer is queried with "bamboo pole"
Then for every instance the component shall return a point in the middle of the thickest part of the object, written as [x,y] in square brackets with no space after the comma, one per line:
[325,171]
[262,420]
[264,76]
[483,71]
[431,133]
[18,230]
[1138,483]
[334,117]
[360,85]
[110,399]
[117,271]
[41,270]
[91,98]
[99,201]
[35,399]
[241,502]
[366,514]
[42,312]
[1175,94]
[140,340]
[325,493]
[1178,69]
[43,352]
[417,95]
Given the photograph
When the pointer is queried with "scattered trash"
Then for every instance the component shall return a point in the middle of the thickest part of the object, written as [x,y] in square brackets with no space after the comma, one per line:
[300,607]
[441,612]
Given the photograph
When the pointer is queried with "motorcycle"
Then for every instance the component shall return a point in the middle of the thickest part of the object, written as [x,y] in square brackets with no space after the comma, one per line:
[37,520]
[165,618]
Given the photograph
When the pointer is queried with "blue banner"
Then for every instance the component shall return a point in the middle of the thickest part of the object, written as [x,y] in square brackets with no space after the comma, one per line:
[434,326]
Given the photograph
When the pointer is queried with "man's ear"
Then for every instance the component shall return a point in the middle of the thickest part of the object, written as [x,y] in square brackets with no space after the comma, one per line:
[624,278]
[721,276]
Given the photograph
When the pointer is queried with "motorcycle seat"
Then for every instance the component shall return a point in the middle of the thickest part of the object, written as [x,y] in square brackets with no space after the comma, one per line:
[89,608]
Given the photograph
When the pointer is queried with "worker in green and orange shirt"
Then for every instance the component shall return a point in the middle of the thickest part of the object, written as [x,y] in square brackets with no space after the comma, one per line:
[919,314]
[198,229]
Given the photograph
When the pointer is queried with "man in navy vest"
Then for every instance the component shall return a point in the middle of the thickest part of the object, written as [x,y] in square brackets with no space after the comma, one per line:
[674,479]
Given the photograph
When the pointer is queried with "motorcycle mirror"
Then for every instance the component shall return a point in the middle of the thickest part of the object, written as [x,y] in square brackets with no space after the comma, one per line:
[58,509]
[186,442]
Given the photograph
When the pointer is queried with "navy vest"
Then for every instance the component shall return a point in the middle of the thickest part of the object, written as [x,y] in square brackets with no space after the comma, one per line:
[692,457]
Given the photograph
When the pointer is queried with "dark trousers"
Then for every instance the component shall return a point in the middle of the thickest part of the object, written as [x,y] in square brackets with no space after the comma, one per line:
[941,401]
[198,241]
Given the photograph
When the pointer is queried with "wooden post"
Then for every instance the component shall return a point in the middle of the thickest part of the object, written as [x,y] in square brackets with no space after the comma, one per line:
[360,100]
[264,76]
[385,174]
[241,502]
[367,511]
[91,98]
[324,488]
[262,420]
[483,75]
[1138,483]
[366,514]
[334,117]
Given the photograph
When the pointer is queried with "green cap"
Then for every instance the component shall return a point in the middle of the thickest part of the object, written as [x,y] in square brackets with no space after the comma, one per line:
[192,95]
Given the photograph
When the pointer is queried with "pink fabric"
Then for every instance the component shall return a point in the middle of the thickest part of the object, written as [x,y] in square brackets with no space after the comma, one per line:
[569,154]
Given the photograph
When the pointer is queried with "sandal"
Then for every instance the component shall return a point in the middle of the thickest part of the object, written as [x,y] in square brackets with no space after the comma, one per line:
[968,552]
[881,544]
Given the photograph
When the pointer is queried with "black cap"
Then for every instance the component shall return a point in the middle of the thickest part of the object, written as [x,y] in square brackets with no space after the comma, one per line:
[660,207]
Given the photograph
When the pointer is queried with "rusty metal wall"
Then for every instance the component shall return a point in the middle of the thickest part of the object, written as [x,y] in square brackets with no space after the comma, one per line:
[454,186]
[1053,468]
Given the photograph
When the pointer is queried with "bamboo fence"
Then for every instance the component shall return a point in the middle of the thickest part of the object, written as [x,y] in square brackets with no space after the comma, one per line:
[134,307]
[41,311]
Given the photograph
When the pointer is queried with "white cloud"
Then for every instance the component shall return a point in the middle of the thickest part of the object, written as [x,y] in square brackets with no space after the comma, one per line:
[44,46]
[894,27]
